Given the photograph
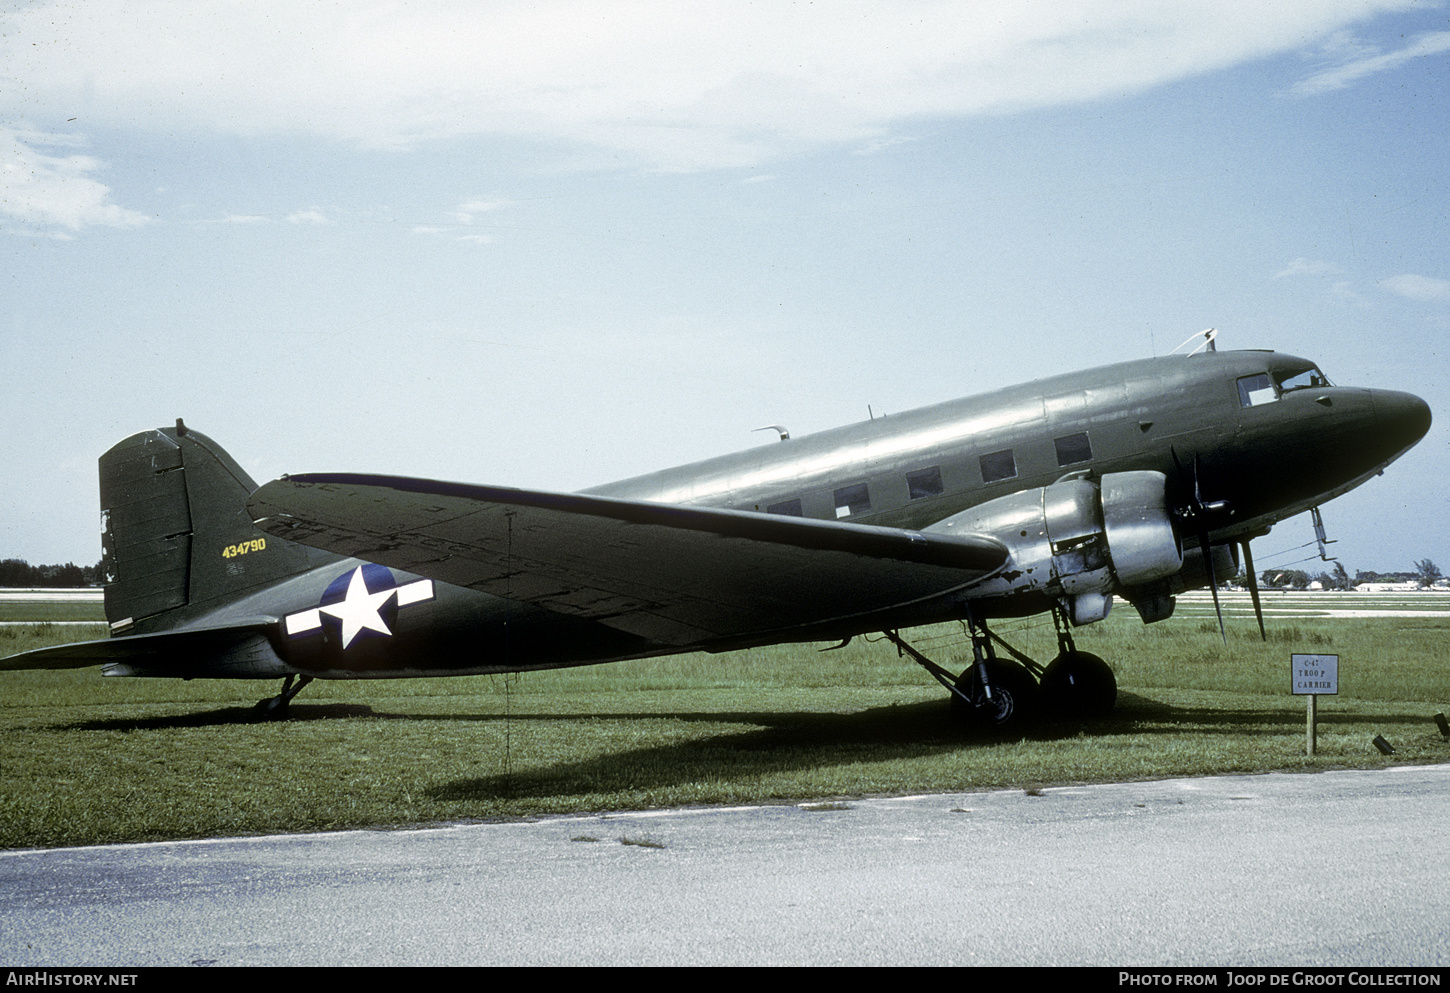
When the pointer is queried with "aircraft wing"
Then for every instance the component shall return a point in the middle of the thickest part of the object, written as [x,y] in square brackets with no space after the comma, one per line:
[678,575]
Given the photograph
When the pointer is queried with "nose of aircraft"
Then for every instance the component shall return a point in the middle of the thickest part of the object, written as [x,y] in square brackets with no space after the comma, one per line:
[1401,419]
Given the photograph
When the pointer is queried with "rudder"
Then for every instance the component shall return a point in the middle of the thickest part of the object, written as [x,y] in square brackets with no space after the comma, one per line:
[176,538]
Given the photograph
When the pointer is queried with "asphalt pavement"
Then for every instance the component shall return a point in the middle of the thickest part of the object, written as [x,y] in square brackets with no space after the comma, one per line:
[1327,869]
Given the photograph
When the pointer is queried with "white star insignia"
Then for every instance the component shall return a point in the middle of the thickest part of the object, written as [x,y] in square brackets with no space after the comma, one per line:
[359,610]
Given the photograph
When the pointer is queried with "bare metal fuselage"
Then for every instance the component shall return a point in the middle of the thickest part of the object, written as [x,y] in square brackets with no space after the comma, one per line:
[1268,461]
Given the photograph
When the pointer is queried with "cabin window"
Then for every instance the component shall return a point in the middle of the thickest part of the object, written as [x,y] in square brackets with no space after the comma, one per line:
[791,508]
[998,465]
[1073,449]
[924,483]
[851,500]
[1254,390]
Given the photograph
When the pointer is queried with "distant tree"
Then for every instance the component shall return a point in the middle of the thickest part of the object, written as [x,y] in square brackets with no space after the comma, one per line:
[1295,579]
[18,572]
[1427,572]
[14,572]
[1341,577]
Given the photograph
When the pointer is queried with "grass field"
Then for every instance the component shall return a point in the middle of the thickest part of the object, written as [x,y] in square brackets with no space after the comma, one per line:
[87,760]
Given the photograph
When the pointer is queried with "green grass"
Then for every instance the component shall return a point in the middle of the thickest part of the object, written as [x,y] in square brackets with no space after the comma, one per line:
[84,610]
[87,760]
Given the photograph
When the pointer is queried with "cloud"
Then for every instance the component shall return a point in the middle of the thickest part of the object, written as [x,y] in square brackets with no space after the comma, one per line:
[482,206]
[1365,61]
[463,219]
[1425,289]
[1345,292]
[54,195]
[467,213]
[650,83]
[1306,267]
[881,144]
[313,216]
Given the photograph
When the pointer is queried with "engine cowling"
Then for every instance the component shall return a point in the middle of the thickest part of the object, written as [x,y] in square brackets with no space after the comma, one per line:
[1079,540]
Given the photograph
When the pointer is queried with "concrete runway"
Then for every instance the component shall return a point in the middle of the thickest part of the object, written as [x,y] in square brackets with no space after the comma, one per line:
[1330,869]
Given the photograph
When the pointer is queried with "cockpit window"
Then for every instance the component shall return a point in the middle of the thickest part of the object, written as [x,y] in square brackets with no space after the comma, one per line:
[1254,390]
[1310,378]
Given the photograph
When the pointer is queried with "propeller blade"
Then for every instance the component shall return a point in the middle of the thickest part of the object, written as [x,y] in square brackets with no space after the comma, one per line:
[1214,508]
[1207,550]
[1254,587]
[1196,513]
[1185,511]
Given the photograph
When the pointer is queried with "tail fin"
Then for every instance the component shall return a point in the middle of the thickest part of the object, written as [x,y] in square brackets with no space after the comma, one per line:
[176,538]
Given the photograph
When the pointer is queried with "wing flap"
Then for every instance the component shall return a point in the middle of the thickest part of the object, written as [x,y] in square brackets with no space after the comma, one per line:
[680,575]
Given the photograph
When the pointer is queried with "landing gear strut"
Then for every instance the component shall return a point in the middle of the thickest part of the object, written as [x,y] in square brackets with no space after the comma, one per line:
[274,708]
[994,693]
[1076,685]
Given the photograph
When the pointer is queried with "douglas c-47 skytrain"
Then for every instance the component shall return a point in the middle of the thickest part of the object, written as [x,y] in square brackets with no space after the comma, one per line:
[1134,481]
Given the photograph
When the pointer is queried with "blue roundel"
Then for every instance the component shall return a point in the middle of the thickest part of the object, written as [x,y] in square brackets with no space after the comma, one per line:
[376,577]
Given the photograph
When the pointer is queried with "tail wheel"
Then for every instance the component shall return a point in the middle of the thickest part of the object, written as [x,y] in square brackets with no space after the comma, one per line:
[274,708]
[1079,686]
[270,709]
[1013,699]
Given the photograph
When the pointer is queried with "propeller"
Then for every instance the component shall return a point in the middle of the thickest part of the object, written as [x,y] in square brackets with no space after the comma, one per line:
[1253,587]
[1197,513]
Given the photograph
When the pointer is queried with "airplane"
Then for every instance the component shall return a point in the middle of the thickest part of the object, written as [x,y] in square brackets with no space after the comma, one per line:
[1135,481]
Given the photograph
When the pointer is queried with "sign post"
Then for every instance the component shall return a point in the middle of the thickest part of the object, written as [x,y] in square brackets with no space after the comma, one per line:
[1311,676]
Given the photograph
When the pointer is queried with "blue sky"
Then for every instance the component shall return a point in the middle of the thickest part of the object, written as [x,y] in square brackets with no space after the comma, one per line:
[550,245]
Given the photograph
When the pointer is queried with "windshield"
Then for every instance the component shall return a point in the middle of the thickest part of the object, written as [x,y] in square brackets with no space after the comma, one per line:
[1310,378]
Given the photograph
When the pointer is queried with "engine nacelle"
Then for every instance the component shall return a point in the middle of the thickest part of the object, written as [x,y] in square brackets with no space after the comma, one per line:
[1078,540]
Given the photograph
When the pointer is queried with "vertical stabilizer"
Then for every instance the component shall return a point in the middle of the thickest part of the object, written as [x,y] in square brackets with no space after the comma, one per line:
[176,538]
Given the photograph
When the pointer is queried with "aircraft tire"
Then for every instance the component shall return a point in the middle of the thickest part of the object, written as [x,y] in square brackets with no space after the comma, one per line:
[1078,686]
[1014,697]
[271,709]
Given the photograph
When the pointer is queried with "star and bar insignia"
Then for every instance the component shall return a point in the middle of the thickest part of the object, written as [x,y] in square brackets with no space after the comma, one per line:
[363,601]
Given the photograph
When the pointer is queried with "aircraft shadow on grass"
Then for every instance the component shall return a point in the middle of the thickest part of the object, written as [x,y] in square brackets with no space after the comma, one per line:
[217,718]
[774,742]
[783,741]
[925,722]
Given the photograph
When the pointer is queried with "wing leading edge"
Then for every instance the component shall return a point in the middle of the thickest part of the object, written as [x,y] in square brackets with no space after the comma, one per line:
[679,575]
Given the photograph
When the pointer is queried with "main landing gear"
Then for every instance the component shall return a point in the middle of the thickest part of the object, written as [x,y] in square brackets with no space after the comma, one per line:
[274,708]
[996,693]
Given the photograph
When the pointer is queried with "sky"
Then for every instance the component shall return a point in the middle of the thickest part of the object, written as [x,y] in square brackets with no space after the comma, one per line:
[550,245]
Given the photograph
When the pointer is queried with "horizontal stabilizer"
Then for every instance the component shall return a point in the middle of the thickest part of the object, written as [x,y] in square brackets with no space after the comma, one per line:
[232,652]
[680,575]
